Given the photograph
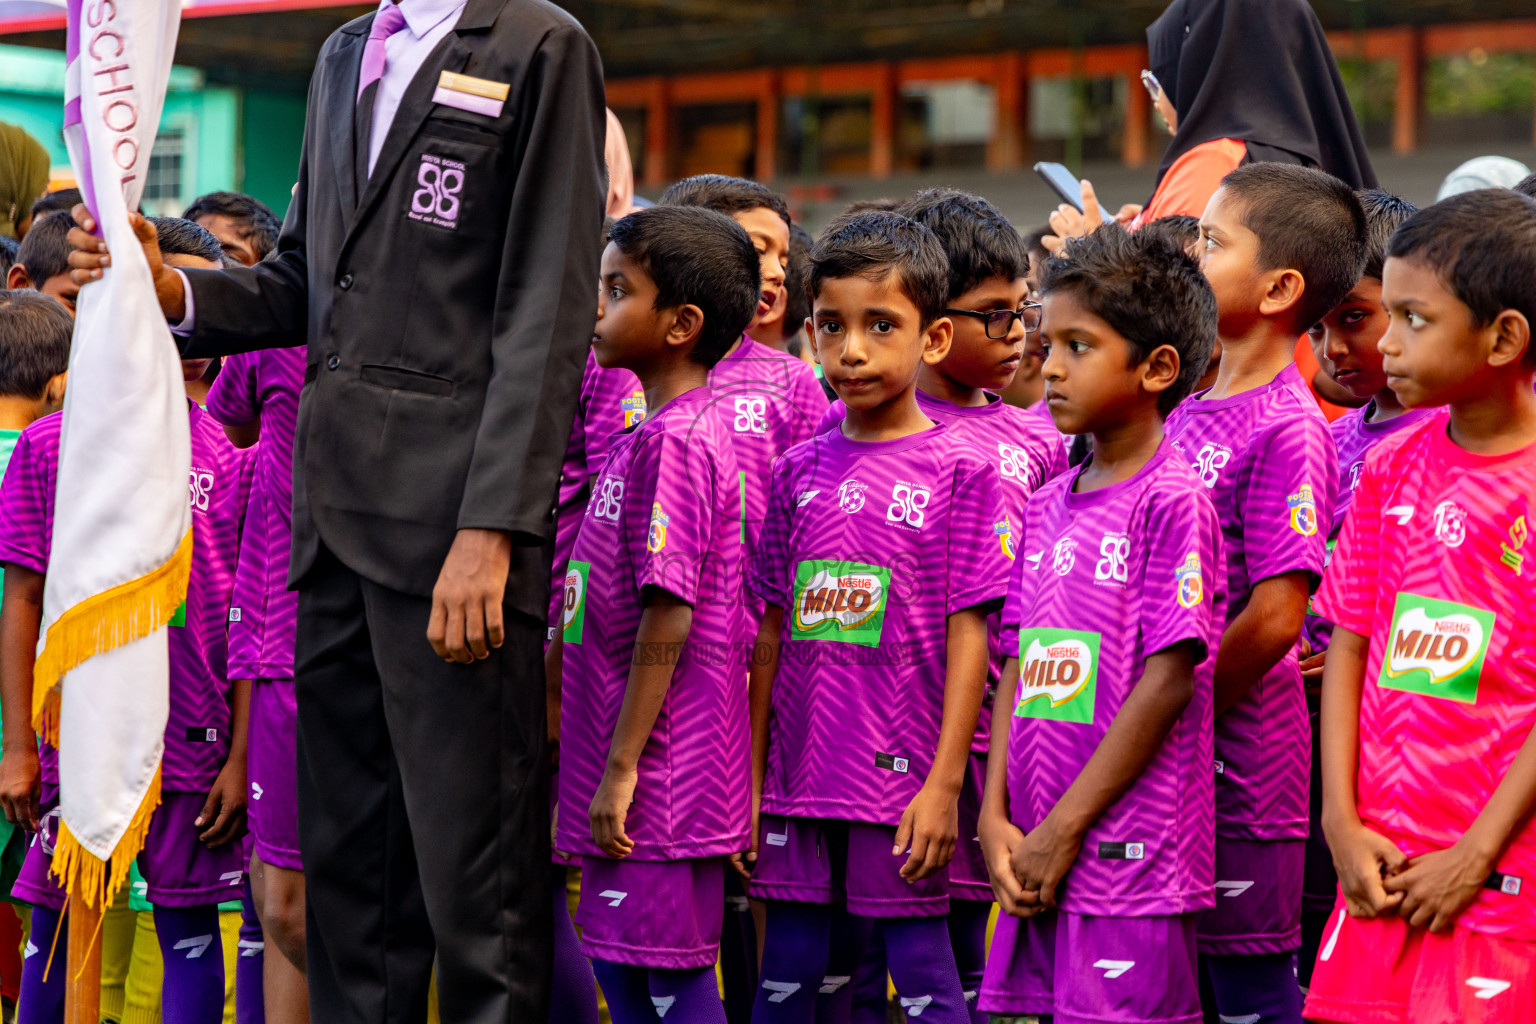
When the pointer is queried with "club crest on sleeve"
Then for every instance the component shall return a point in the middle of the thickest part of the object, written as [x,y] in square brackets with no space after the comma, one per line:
[633,407]
[1004,531]
[1303,511]
[1191,586]
[656,536]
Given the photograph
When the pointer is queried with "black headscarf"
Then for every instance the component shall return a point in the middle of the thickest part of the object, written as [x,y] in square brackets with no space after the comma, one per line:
[1260,71]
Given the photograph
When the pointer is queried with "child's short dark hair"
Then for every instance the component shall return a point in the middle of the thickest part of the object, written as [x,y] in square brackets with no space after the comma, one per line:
[725,194]
[1526,186]
[34,342]
[258,224]
[873,245]
[180,237]
[696,257]
[1384,214]
[1178,229]
[8,249]
[1148,288]
[1305,220]
[797,278]
[44,253]
[64,199]
[977,238]
[1482,244]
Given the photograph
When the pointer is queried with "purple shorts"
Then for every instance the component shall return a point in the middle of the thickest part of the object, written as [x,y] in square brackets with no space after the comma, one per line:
[813,860]
[658,913]
[1094,969]
[178,870]
[272,765]
[968,878]
[1258,897]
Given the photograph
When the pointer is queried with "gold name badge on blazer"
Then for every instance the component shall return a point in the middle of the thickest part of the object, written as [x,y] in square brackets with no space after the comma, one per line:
[465,92]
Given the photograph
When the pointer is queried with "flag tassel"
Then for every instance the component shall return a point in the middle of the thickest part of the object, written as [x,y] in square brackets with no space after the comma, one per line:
[93,880]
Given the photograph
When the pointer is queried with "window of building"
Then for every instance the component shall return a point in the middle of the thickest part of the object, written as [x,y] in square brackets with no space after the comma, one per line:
[717,138]
[165,191]
[1479,97]
[1372,88]
[945,124]
[1076,119]
[825,135]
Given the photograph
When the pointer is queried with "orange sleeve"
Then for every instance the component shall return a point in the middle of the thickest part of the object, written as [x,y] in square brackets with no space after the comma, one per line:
[1194,178]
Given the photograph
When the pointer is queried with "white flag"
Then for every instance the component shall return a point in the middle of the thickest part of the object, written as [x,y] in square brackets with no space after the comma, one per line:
[122,533]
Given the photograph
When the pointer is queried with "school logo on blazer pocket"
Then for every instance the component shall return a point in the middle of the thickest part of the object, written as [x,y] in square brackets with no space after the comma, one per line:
[436,199]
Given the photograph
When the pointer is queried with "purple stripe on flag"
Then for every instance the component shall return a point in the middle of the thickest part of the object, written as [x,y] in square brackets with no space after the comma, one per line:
[72,112]
[72,33]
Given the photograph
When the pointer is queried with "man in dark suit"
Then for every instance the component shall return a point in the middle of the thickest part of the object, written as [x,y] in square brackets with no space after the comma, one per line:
[440,260]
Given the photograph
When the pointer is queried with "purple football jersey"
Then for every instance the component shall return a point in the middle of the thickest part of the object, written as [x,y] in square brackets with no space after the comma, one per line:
[1139,562]
[1270,464]
[197,732]
[665,512]
[869,547]
[263,385]
[611,400]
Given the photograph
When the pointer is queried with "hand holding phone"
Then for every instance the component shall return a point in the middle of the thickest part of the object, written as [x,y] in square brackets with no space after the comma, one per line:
[1065,185]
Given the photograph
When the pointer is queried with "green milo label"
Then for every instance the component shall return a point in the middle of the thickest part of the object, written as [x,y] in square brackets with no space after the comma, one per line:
[180,618]
[841,601]
[1058,675]
[1436,648]
[574,606]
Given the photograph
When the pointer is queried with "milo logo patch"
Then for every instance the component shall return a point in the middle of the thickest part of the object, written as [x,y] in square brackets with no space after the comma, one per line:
[574,608]
[1058,675]
[842,601]
[1436,648]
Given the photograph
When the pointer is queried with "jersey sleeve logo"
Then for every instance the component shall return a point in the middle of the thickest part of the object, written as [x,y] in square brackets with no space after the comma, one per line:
[1191,585]
[1004,531]
[1058,675]
[656,535]
[1510,553]
[633,408]
[841,601]
[1436,648]
[1303,511]
[574,611]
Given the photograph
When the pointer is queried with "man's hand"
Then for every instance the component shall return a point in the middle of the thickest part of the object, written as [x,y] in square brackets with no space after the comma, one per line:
[19,792]
[610,807]
[466,621]
[90,257]
[1041,860]
[999,838]
[1436,887]
[930,824]
[1362,859]
[223,812]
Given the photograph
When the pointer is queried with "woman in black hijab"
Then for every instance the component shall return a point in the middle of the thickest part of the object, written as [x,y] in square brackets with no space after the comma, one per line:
[1244,81]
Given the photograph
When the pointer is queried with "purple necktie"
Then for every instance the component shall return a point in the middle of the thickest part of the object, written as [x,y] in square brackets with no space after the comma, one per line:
[385,24]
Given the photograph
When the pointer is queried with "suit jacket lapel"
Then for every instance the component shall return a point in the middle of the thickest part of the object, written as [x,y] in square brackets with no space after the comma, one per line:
[341,73]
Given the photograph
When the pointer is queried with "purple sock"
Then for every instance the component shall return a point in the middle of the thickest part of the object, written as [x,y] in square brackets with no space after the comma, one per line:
[574,995]
[194,964]
[795,955]
[848,938]
[42,1002]
[968,939]
[686,997]
[923,968]
[871,996]
[738,952]
[1255,989]
[628,991]
[250,1002]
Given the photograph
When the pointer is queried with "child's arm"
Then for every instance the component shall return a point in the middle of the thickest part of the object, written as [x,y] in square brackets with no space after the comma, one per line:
[664,626]
[999,835]
[931,821]
[764,667]
[1438,886]
[1361,857]
[21,616]
[1260,636]
[1166,686]
[225,806]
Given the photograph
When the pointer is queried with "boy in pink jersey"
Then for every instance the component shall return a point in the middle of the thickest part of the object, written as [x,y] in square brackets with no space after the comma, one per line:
[1097,825]
[1344,343]
[256,397]
[1429,768]
[653,711]
[1281,245]
[885,548]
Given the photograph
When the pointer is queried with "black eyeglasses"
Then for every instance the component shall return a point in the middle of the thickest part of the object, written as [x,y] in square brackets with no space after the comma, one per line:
[999,322]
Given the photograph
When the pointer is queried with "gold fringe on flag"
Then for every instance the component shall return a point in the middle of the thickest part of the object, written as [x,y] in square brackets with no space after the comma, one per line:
[84,875]
[129,611]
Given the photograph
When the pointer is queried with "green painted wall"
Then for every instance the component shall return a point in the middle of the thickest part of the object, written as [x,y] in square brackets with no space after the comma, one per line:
[271,135]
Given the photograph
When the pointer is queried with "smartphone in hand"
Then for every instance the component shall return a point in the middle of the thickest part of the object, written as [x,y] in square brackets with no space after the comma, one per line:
[1065,184]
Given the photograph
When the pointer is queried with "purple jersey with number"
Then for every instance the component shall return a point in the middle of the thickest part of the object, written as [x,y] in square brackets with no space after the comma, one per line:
[868,548]
[664,513]
[1103,580]
[1269,461]
[611,400]
[197,732]
[263,385]
[1027,451]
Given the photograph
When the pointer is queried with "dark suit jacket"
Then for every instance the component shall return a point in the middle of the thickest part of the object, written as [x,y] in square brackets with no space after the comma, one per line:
[448,309]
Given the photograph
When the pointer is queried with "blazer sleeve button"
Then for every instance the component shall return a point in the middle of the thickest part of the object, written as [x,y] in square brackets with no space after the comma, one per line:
[333,362]
[345,284]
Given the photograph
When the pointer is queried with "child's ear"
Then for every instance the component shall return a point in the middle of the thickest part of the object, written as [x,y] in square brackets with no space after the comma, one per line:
[53,395]
[1160,370]
[1284,289]
[16,277]
[1511,337]
[809,327]
[687,325]
[936,339]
